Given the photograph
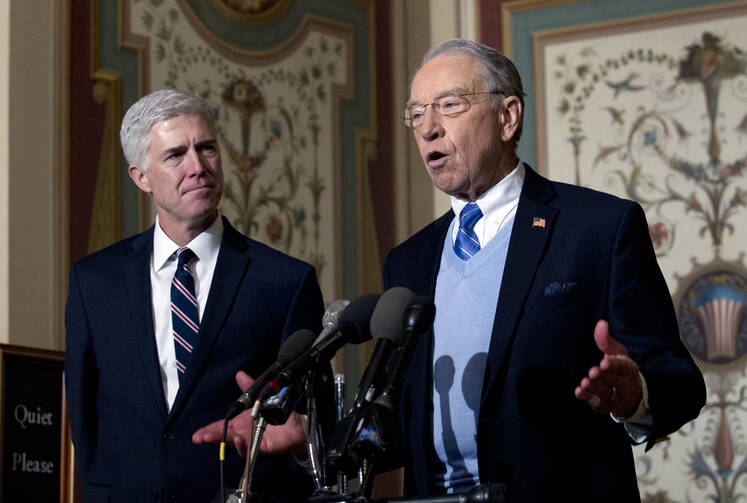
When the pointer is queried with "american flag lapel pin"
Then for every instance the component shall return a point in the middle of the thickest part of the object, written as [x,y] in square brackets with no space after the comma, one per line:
[538,222]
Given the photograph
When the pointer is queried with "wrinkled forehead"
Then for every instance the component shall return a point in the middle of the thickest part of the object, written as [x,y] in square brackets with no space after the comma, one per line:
[444,75]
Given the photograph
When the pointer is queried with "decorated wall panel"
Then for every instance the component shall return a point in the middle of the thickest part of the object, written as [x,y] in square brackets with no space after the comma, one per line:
[654,109]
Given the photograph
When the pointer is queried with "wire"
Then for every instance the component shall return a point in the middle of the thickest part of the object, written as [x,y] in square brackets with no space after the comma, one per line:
[222,459]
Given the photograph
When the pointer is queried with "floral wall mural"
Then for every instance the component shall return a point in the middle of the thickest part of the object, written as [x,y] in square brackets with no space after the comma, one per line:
[655,110]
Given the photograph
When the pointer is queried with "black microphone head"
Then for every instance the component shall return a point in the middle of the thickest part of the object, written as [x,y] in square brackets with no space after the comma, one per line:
[388,319]
[420,314]
[357,316]
[296,343]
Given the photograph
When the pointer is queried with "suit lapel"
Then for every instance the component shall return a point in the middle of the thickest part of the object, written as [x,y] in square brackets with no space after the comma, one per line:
[430,255]
[230,267]
[532,228]
[419,376]
[137,283]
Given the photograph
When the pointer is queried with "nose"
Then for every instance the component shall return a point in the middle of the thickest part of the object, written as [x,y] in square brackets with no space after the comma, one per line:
[195,162]
[431,128]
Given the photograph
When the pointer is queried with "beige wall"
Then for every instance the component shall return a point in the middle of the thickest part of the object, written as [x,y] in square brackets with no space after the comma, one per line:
[32,173]
[4,163]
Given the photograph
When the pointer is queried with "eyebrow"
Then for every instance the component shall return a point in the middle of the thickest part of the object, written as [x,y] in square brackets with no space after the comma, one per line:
[180,149]
[448,92]
[208,142]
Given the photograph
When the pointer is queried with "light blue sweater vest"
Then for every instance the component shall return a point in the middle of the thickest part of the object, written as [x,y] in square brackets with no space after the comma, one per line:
[466,299]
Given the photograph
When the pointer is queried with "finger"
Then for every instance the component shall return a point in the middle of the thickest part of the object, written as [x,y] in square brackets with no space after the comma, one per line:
[208,434]
[594,388]
[241,444]
[244,380]
[596,402]
[600,399]
[605,342]
[619,367]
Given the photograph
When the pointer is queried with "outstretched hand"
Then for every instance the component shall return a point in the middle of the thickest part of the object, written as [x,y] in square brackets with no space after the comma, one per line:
[286,438]
[614,386]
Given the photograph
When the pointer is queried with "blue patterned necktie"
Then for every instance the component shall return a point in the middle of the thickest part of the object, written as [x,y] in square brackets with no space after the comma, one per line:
[185,318]
[466,243]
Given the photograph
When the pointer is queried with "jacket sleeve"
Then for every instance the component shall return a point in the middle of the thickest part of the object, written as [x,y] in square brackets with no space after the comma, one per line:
[643,318]
[81,376]
[306,307]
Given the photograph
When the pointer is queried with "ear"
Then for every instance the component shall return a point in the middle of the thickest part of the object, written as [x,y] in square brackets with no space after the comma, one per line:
[140,177]
[511,112]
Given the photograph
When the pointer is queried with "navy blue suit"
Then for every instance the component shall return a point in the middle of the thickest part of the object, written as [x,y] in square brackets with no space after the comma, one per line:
[575,256]
[128,447]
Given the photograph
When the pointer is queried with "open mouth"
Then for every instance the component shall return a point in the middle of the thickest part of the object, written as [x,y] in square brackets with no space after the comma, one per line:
[434,156]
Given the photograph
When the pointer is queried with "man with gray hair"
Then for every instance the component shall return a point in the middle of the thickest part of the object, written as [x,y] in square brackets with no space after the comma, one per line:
[165,328]
[555,344]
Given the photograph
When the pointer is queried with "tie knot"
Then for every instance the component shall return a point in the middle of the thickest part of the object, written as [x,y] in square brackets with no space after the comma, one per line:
[469,216]
[185,256]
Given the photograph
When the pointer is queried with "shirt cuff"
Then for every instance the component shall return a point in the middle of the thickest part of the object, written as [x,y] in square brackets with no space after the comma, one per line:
[640,425]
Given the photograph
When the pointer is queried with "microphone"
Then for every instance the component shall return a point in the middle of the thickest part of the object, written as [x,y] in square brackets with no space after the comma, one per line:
[376,436]
[276,409]
[387,327]
[298,342]
[331,318]
[388,324]
[419,317]
[351,327]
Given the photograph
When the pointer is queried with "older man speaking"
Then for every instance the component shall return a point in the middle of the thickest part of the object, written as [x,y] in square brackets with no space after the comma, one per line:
[555,344]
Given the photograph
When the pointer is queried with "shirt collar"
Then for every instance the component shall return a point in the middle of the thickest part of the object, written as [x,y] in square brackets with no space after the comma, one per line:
[502,196]
[205,245]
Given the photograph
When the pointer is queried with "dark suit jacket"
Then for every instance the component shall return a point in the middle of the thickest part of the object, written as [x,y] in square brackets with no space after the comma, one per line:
[128,447]
[532,433]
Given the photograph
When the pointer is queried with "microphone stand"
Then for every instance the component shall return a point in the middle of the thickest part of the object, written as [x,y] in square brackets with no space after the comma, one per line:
[314,436]
[342,479]
[258,427]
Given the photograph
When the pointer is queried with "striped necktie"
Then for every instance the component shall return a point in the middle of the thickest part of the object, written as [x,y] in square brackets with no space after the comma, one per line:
[185,319]
[466,243]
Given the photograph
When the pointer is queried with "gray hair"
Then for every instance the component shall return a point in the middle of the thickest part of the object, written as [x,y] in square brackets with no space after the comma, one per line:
[153,108]
[498,73]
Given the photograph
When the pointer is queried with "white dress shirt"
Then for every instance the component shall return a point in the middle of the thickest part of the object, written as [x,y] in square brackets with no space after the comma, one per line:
[162,269]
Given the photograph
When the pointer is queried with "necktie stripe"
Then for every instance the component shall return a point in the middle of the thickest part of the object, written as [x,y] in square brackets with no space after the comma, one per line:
[465,252]
[189,296]
[471,239]
[181,341]
[191,324]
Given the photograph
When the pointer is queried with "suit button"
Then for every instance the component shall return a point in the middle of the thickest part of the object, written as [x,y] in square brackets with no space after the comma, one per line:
[168,437]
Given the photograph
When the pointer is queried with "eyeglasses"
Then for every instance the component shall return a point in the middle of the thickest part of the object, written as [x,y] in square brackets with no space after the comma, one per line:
[448,106]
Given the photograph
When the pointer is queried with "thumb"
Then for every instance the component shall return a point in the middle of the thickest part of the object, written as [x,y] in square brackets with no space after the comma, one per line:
[605,342]
[244,380]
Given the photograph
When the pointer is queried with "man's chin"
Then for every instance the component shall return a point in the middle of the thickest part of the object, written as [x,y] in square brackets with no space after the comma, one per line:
[447,187]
